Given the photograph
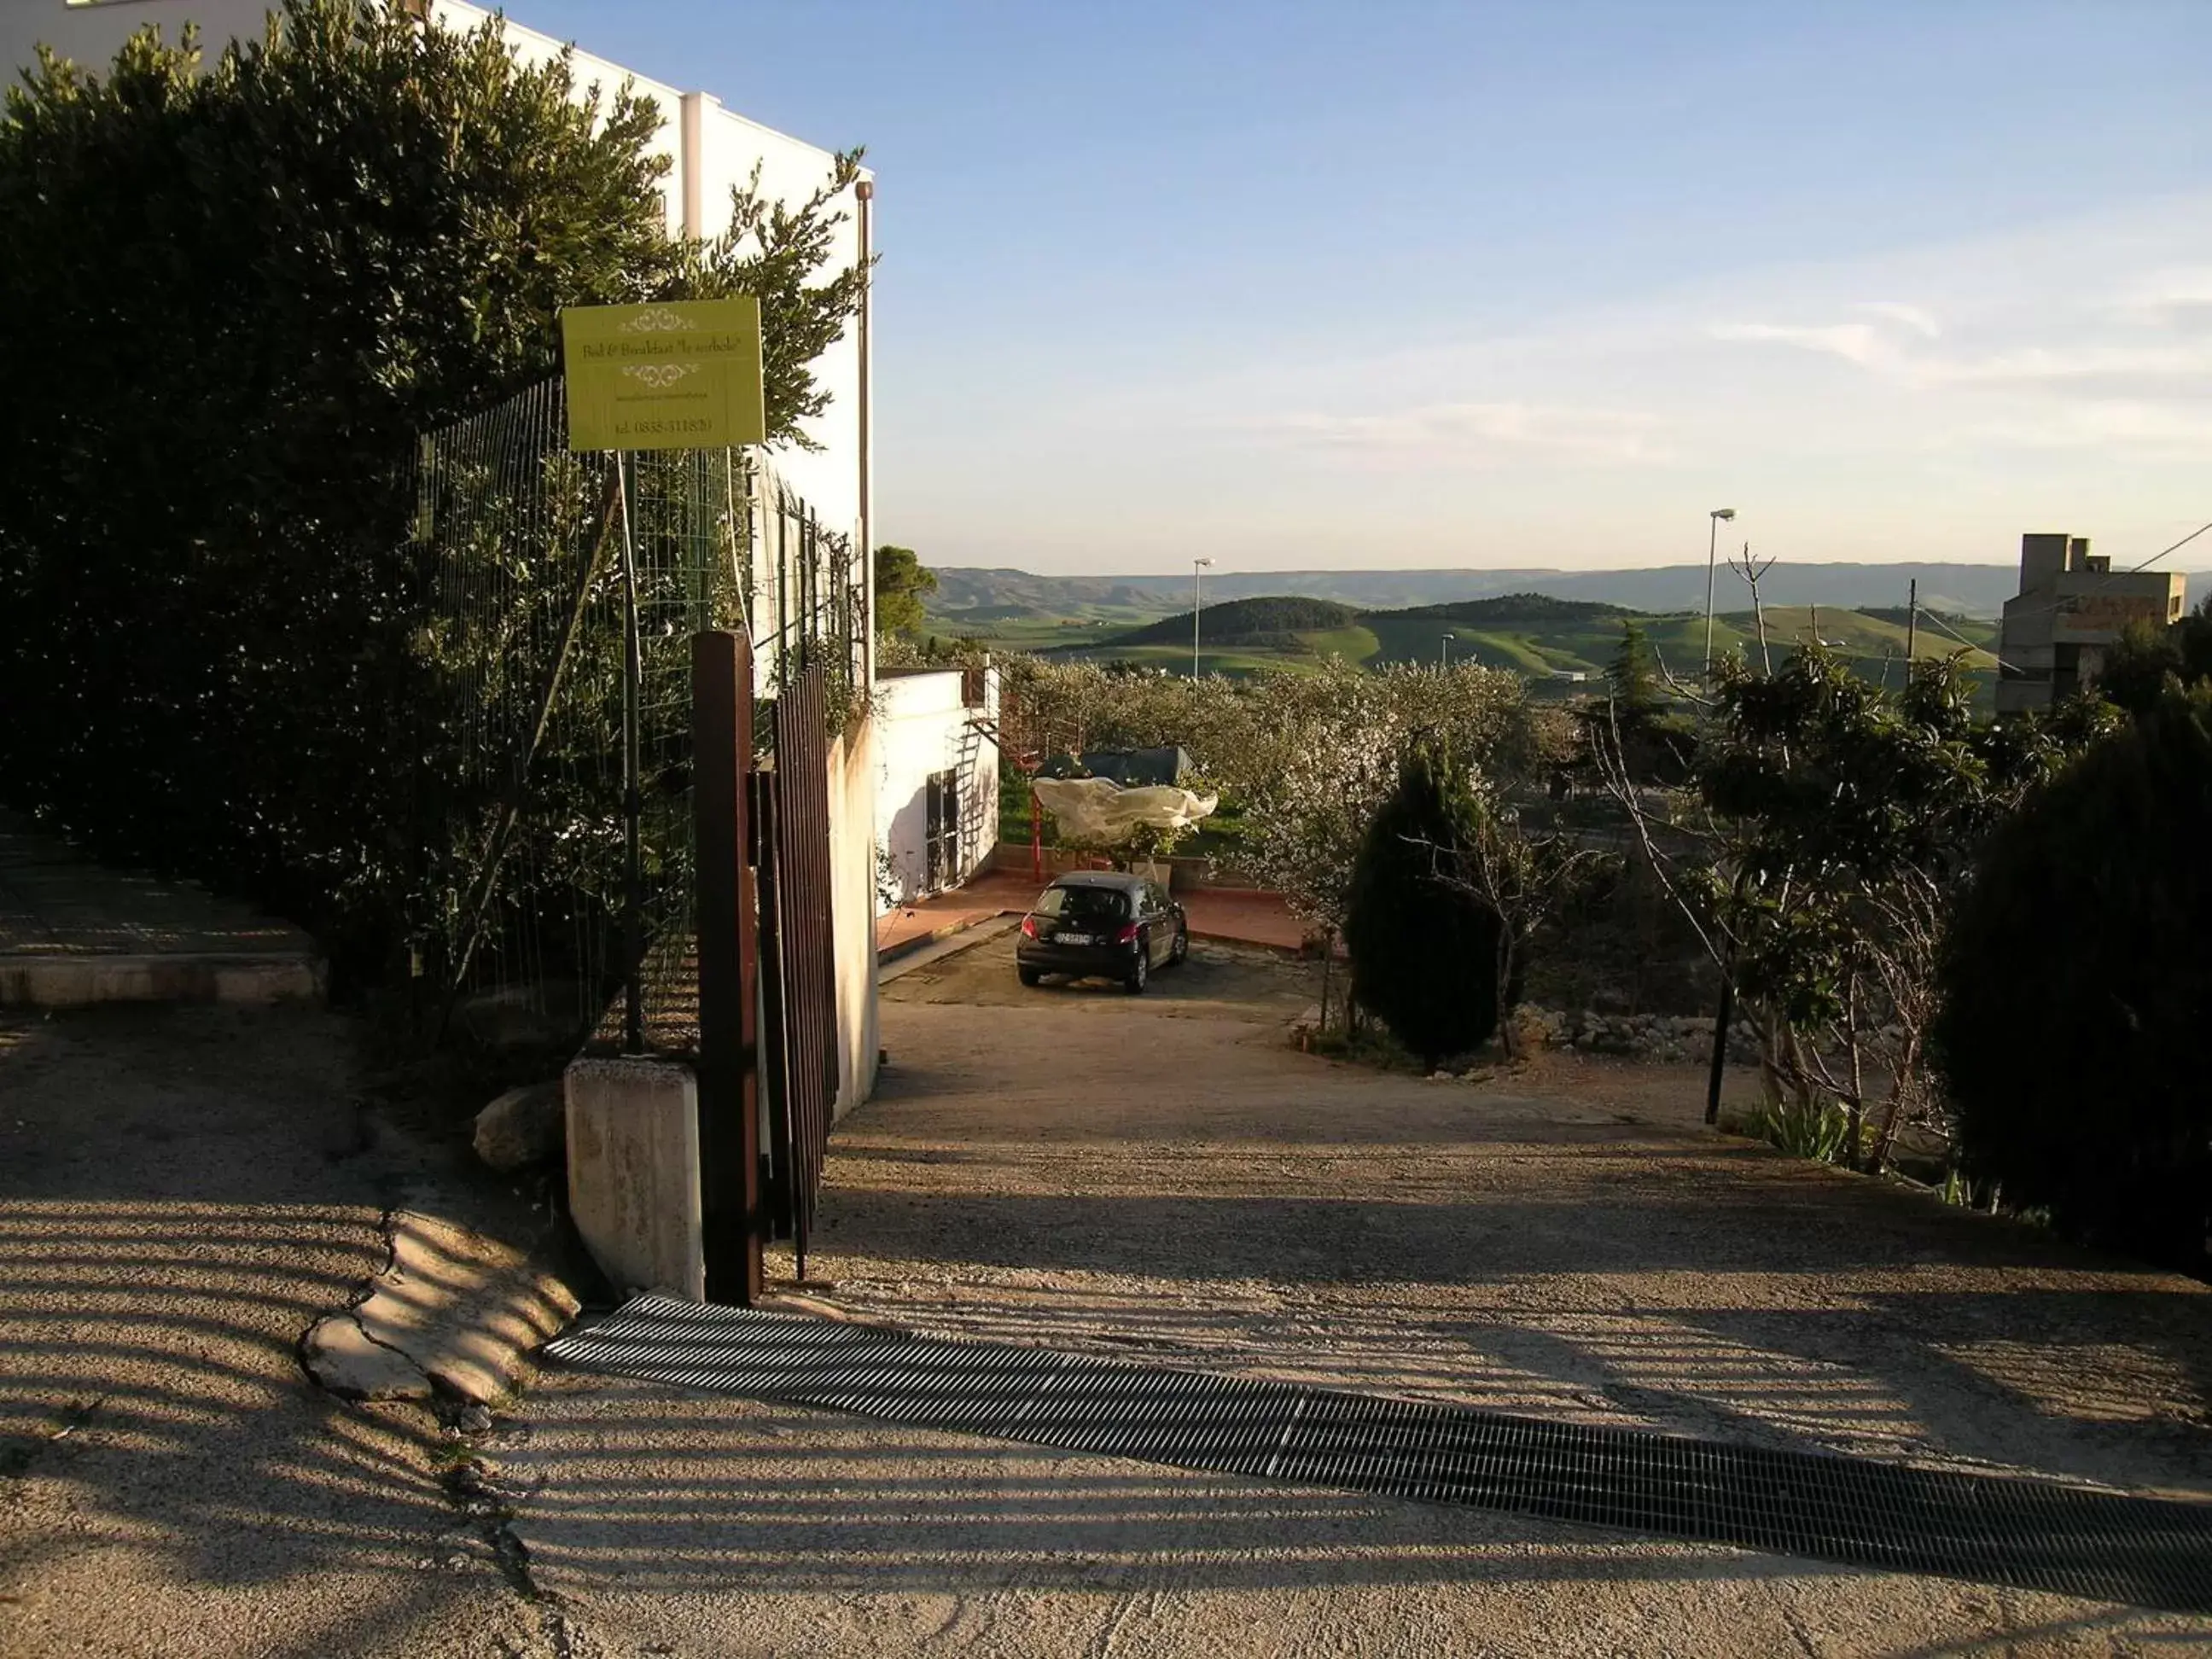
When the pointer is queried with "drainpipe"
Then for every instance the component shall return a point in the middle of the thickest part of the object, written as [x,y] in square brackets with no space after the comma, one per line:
[865,190]
[691,124]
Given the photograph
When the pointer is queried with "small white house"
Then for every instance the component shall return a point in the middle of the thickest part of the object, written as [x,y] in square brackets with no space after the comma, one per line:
[937,795]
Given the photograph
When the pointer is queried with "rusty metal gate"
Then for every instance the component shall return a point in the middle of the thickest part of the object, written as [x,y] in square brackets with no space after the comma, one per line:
[768,989]
[799,957]
[728,954]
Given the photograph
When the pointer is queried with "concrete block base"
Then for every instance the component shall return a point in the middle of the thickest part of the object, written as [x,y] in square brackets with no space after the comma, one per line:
[634,1173]
[80,980]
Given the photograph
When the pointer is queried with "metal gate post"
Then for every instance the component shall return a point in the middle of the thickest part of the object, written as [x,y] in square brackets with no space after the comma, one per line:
[633,792]
[728,943]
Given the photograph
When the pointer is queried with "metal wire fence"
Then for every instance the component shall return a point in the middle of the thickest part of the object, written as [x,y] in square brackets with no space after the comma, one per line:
[566,589]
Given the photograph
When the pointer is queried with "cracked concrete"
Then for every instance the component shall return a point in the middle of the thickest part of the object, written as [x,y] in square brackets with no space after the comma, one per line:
[450,1310]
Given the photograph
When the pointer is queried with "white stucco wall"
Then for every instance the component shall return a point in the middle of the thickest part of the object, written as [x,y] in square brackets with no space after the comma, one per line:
[922,726]
[711,151]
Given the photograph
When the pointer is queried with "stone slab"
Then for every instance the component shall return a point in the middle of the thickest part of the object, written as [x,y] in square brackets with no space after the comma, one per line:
[452,1311]
[77,982]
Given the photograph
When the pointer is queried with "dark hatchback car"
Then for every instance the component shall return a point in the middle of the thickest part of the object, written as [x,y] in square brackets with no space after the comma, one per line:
[1104,925]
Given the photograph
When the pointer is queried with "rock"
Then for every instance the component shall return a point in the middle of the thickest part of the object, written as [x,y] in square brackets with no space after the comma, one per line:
[522,1126]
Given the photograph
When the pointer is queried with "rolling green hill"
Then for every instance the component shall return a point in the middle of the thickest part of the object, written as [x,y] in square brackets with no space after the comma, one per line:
[1518,608]
[1560,629]
[1970,590]
[1559,643]
[1237,621]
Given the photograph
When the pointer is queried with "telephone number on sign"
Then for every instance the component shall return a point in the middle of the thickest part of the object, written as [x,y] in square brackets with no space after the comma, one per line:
[660,429]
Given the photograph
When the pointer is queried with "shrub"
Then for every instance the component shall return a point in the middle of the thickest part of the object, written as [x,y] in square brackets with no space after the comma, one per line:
[2077,992]
[1424,953]
[1815,1130]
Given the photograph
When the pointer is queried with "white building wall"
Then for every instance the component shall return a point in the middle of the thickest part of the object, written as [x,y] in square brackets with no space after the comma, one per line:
[923,726]
[711,151]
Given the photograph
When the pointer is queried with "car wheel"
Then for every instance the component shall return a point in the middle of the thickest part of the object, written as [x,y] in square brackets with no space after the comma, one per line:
[1181,946]
[1140,972]
[1030,976]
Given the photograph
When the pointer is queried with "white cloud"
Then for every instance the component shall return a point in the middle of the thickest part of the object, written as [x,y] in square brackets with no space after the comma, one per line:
[1915,318]
[2127,340]
[1855,342]
[2178,298]
[1461,432]
[2101,426]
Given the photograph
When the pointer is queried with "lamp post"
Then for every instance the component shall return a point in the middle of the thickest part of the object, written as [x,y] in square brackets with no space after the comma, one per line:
[1197,567]
[1712,545]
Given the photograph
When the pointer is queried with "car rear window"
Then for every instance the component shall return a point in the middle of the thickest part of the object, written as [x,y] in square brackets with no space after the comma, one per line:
[1083,903]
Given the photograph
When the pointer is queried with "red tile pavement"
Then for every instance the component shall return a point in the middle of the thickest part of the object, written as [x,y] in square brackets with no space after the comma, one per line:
[1242,914]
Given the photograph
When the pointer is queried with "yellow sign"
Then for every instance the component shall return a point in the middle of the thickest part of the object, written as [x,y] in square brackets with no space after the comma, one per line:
[682,374]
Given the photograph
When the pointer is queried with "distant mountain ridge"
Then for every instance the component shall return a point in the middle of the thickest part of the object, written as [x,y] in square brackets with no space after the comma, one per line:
[1970,590]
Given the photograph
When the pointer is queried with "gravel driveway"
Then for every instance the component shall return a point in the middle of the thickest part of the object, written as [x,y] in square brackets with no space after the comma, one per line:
[1163,1176]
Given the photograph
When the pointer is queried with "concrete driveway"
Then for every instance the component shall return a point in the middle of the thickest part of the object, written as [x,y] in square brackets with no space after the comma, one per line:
[1161,1175]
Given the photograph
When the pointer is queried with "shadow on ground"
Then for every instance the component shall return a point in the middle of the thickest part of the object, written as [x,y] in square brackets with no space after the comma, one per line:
[1569,1240]
[182,1192]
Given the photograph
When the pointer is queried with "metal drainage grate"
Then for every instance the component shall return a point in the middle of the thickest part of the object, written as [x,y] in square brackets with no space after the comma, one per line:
[2029,1533]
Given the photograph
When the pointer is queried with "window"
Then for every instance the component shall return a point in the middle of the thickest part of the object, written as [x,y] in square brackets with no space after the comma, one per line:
[1083,903]
[941,830]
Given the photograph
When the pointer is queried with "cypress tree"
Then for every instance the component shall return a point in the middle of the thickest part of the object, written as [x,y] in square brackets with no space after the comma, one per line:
[1424,954]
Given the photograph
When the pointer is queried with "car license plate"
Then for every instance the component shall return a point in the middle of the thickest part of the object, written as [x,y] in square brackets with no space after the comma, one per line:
[1073,939]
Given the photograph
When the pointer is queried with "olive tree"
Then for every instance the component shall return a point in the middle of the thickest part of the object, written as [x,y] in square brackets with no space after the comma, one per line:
[1319,754]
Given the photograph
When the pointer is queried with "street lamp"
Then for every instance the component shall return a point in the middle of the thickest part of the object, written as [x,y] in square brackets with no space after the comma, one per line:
[1712,545]
[1197,587]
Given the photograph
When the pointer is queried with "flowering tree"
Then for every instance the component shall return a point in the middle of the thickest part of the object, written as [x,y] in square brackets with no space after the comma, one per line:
[1309,757]
[1320,753]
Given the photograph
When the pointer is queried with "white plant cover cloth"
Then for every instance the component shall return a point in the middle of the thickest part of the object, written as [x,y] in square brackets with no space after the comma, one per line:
[1100,811]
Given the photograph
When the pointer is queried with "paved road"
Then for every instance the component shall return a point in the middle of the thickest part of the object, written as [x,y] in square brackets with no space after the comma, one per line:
[1162,1177]
[181,1193]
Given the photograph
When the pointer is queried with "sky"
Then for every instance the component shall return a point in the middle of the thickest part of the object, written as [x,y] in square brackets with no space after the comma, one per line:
[1394,284]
